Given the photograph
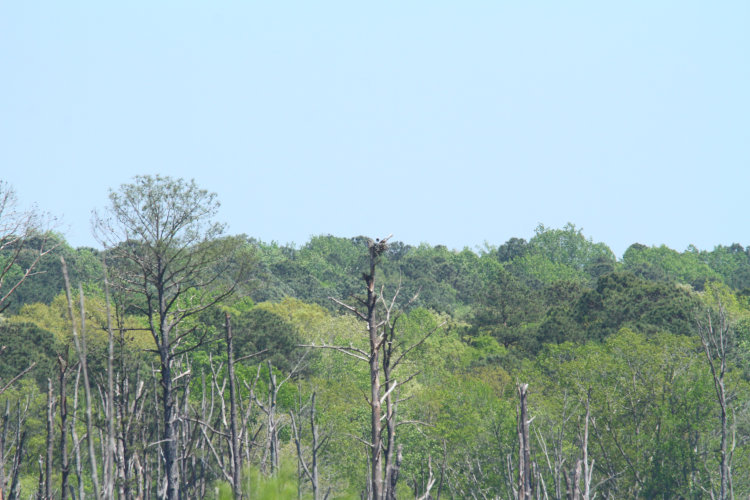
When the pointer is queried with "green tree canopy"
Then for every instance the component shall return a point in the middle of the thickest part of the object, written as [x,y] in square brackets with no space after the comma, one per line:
[622,299]
[25,343]
[562,254]
[664,263]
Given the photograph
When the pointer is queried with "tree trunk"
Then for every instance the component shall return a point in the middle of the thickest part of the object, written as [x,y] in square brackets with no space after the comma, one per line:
[169,437]
[76,441]
[393,471]
[15,485]
[80,345]
[3,439]
[315,479]
[273,423]
[588,468]
[381,347]
[50,441]
[716,335]
[109,457]
[64,464]
[82,353]
[376,412]
[236,452]
[525,489]
[310,469]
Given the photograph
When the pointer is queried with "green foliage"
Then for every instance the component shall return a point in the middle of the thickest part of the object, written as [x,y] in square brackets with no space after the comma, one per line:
[447,280]
[336,263]
[258,329]
[25,399]
[326,266]
[472,423]
[651,404]
[84,266]
[557,312]
[512,249]
[444,278]
[622,299]
[278,271]
[655,263]
[442,350]
[568,246]
[537,269]
[280,486]
[562,255]
[24,344]
[311,321]
[732,263]
[507,309]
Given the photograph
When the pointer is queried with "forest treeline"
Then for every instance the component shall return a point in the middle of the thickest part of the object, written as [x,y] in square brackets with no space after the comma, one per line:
[177,361]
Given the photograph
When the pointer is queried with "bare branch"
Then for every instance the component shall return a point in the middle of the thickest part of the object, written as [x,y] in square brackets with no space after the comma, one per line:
[14,379]
[417,344]
[350,350]
[248,356]
[348,307]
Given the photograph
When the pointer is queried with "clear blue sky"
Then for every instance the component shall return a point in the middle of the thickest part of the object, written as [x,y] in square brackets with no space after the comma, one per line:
[448,123]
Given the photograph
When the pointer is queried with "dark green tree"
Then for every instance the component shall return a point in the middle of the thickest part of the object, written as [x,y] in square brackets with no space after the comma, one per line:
[511,249]
[25,344]
[732,263]
[84,266]
[622,299]
[507,309]
[25,240]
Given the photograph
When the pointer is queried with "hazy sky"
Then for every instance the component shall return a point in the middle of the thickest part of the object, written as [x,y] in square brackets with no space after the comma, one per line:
[448,123]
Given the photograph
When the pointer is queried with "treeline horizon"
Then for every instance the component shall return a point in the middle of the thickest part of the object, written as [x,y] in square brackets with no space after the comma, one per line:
[540,258]
[182,362]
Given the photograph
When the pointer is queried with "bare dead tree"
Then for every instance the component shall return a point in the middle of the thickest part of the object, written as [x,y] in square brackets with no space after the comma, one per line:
[15,484]
[76,441]
[309,467]
[20,230]
[203,412]
[189,431]
[213,424]
[63,369]
[270,462]
[577,479]
[588,466]
[131,395]
[80,345]
[40,482]
[376,337]
[109,454]
[394,353]
[214,420]
[383,356]
[555,458]
[525,486]
[233,425]
[50,428]
[129,407]
[274,421]
[716,336]
[3,446]
[20,451]
[190,434]
[236,428]
[175,262]
[431,479]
